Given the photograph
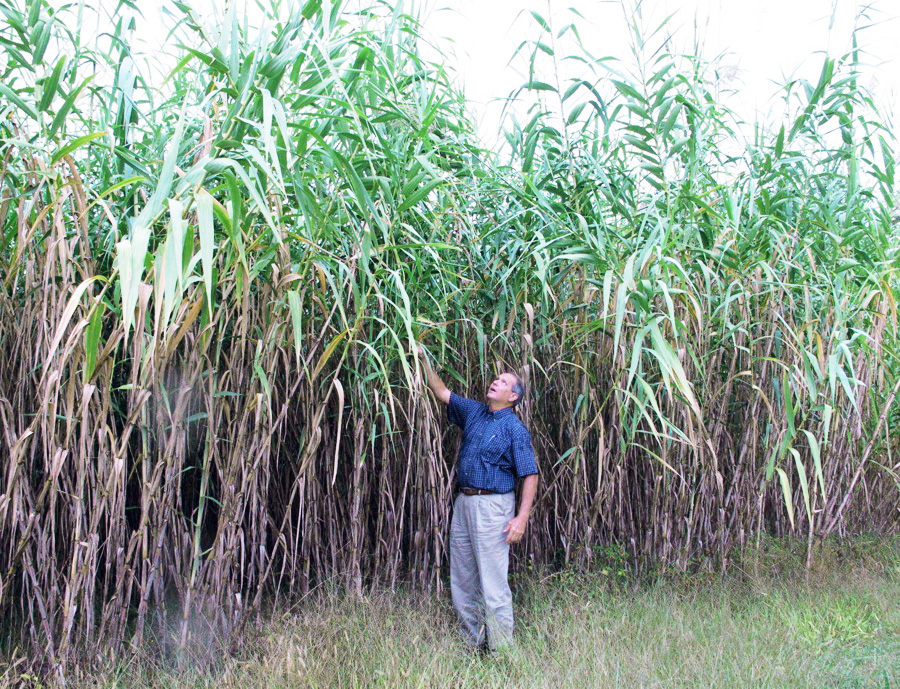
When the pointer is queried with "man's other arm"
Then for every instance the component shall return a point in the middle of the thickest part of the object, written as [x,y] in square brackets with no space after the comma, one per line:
[434,382]
[516,527]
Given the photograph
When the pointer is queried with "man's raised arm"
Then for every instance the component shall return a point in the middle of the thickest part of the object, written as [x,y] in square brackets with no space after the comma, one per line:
[434,382]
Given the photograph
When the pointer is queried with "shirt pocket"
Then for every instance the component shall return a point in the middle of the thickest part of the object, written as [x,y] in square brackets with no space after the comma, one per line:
[496,450]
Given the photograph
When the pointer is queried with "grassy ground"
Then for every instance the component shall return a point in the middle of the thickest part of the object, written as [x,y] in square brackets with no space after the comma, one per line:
[767,623]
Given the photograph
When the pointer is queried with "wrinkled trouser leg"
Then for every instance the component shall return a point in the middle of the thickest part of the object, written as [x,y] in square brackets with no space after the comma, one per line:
[479,566]
[465,586]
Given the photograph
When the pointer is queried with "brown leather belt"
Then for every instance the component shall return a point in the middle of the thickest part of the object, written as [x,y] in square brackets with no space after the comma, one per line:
[476,491]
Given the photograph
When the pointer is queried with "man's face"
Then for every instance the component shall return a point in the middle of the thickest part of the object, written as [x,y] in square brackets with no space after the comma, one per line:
[501,389]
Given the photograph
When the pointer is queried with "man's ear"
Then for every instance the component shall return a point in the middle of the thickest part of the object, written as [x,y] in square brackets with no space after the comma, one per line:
[513,397]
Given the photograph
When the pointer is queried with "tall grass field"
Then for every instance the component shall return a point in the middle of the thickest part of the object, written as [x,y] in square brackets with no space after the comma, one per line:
[215,270]
[769,622]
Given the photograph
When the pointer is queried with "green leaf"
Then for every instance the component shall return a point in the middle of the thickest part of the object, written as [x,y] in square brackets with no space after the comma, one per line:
[296,308]
[804,484]
[131,252]
[815,451]
[418,195]
[539,86]
[48,87]
[575,112]
[92,339]
[540,20]
[207,243]
[66,107]
[75,145]
[310,8]
[120,185]
[17,100]
[34,12]
[787,493]
[66,317]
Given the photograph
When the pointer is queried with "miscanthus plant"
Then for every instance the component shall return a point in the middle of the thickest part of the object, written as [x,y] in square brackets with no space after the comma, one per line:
[212,282]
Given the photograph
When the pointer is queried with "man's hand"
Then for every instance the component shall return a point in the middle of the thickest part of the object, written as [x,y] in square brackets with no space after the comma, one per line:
[515,529]
[434,382]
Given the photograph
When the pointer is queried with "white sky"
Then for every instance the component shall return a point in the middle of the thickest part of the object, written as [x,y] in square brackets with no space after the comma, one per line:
[765,42]
[760,43]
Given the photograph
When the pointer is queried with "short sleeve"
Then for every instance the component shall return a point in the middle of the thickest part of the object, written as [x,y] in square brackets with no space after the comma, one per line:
[459,408]
[523,452]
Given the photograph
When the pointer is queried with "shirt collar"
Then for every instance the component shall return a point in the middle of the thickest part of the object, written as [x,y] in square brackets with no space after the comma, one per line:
[500,413]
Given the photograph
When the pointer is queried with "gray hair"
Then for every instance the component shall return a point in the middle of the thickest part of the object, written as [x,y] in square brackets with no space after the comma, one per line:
[518,388]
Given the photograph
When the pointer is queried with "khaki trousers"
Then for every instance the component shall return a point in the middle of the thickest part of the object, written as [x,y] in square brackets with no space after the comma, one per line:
[479,564]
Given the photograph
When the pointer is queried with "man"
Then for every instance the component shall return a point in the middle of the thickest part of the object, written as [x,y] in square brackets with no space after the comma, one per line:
[496,451]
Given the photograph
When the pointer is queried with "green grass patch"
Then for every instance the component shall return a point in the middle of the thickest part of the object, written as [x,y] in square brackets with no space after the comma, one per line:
[766,623]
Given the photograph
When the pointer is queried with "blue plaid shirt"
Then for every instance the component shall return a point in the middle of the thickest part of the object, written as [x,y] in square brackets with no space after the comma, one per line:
[496,446]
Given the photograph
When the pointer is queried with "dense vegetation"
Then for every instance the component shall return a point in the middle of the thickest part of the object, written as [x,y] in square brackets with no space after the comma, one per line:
[212,284]
[768,622]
